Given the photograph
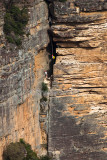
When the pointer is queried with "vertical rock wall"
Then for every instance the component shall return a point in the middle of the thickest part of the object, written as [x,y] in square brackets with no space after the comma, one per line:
[78,99]
[21,75]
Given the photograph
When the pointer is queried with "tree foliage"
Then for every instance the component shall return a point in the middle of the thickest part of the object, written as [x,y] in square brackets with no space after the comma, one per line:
[21,151]
[15,21]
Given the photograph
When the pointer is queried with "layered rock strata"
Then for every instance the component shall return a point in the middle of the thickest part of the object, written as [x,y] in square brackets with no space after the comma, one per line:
[78,99]
[21,74]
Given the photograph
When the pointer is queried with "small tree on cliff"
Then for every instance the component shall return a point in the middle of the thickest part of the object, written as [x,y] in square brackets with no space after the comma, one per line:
[14,151]
[21,151]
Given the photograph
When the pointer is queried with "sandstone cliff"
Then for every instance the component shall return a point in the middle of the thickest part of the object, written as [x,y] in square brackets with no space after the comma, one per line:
[78,99]
[21,75]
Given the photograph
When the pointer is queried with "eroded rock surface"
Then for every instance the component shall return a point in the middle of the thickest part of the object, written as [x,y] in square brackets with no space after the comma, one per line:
[78,99]
[21,74]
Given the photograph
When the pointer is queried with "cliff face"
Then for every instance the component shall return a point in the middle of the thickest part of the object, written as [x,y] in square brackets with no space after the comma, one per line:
[78,99]
[21,75]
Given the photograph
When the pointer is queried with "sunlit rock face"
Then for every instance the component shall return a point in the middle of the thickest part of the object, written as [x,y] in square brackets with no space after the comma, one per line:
[21,75]
[78,99]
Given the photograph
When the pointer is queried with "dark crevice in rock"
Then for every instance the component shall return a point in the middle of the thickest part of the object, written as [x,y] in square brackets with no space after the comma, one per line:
[52,52]
[52,45]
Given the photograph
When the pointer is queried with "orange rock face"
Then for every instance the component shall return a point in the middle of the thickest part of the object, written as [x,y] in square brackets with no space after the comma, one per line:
[22,121]
[78,100]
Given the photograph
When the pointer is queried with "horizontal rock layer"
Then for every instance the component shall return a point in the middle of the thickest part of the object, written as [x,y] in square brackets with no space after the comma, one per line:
[78,99]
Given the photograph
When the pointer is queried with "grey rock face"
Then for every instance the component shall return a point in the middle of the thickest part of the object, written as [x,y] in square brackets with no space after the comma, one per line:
[21,75]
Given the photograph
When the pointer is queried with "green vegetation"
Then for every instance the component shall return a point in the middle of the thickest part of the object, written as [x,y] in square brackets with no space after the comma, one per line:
[31,155]
[14,151]
[21,151]
[44,87]
[15,21]
[45,158]
[43,99]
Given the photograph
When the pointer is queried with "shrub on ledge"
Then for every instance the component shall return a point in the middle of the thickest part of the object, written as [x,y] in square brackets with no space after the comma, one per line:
[14,151]
[44,87]
[43,99]
[21,151]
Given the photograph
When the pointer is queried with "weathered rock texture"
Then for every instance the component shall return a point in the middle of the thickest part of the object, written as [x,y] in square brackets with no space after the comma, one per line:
[21,74]
[78,99]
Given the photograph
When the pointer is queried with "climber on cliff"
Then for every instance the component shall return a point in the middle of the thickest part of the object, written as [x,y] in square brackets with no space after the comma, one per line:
[46,74]
[53,57]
